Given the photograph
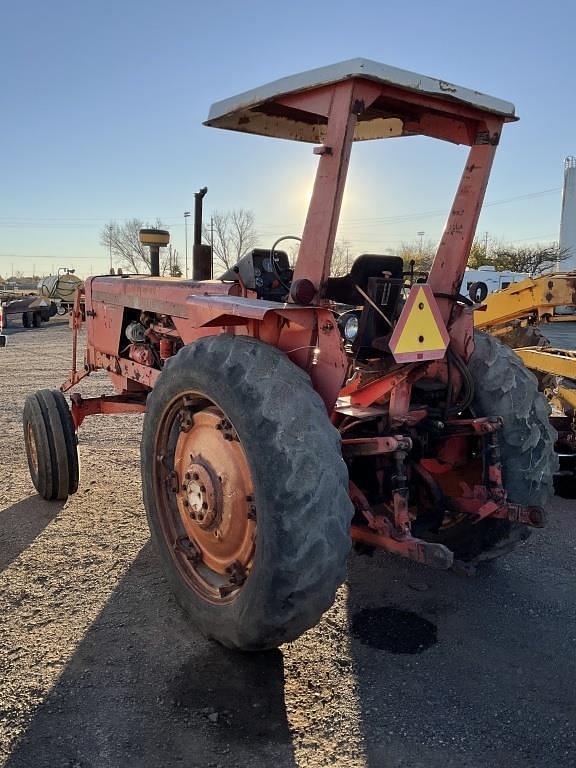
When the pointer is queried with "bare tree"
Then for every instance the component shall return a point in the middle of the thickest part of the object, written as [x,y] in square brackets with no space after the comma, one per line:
[422,253]
[123,242]
[234,234]
[341,259]
[174,266]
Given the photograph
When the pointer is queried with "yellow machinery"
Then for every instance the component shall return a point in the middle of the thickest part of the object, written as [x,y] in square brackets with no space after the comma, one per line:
[546,298]
[527,316]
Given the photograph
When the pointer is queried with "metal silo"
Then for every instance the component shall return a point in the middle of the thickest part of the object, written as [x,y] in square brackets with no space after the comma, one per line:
[568,218]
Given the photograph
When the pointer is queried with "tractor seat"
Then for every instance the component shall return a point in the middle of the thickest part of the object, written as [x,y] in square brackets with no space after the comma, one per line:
[343,289]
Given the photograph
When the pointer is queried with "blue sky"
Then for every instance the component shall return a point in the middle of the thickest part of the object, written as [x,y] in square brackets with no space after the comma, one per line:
[101,107]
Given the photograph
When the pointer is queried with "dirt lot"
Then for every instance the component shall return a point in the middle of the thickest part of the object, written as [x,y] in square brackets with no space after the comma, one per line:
[98,668]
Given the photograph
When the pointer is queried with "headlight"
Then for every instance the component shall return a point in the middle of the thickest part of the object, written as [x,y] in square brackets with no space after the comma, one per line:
[351,328]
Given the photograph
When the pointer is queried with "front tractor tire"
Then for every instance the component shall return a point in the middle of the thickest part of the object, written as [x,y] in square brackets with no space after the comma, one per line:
[51,445]
[246,492]
[505,387]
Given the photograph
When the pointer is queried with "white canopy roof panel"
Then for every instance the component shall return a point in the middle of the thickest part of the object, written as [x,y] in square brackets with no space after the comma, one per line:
[258,110]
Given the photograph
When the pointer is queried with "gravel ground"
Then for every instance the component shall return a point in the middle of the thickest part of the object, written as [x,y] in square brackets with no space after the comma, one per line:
[99,669]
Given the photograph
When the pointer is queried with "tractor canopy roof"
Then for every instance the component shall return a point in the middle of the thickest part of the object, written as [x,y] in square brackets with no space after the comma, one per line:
[400,103]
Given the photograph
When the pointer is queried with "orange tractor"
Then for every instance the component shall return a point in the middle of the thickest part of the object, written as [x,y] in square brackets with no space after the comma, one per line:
[289,413]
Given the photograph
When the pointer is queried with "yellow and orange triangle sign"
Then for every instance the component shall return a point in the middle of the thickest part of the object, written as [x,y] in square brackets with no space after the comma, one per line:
[420,333]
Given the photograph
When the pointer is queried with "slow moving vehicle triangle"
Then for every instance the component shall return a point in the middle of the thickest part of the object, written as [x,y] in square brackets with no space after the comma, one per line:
[420,333]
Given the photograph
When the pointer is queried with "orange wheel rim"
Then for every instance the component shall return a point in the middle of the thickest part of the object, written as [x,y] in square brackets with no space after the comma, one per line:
[205,497]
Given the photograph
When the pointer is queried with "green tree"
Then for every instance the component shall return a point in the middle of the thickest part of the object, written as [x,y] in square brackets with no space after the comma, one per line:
[421,252]
[533,259]
[480,253]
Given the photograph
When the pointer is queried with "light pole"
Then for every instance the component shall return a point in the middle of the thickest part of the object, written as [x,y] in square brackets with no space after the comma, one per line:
[420,235]
[186,215]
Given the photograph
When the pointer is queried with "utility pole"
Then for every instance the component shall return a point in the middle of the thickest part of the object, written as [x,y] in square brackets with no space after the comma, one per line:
[485,246]
[186,215]
[212,247]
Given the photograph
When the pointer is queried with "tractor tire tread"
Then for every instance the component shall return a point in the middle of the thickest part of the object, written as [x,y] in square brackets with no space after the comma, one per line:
[527,438]
[56,444]
[43,478]
[506,388]
[299,476]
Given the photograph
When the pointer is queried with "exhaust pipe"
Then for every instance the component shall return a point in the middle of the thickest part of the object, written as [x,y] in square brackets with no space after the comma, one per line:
[201,254]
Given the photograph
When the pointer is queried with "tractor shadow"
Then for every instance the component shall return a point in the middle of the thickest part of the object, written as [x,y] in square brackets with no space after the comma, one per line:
[459,671]
[21,523]
[144,690]
[447,671]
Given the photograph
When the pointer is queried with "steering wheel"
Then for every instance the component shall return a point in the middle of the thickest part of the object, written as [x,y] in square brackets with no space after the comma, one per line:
[273,259]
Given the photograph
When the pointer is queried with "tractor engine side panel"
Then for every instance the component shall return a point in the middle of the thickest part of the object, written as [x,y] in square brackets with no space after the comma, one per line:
[103,322]
[108,297]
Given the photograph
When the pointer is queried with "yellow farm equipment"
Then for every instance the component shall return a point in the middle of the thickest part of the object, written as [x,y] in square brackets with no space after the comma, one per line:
[537,317]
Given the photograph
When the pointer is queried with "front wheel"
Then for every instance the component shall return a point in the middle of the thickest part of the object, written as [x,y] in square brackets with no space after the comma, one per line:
[246,491]
[51,444]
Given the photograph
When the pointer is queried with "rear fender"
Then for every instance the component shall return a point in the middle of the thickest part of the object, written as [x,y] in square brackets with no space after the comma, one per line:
[308,335]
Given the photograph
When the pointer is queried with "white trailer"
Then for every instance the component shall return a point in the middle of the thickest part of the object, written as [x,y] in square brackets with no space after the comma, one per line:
[487,279]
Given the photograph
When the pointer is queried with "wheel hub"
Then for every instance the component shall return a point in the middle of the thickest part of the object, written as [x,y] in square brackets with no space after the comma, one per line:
[202,491]
[215,494]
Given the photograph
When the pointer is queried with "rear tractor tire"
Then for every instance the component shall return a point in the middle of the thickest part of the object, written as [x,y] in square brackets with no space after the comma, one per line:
[51,445]
[246,492]
[505,387]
